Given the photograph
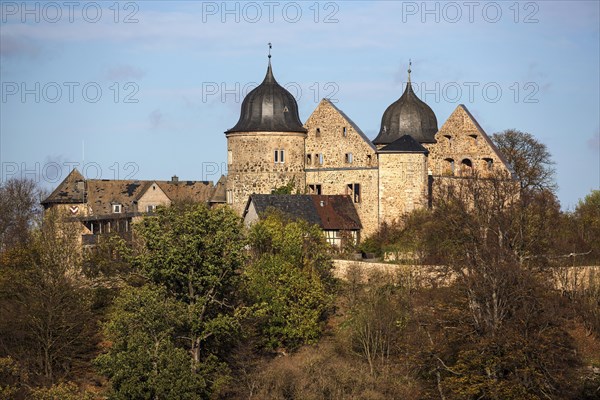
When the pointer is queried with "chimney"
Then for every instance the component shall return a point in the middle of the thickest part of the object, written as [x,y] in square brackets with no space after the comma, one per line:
[175,179]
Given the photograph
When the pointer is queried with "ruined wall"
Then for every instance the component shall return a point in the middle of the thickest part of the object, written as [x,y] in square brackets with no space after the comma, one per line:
[252,167]
[402,184]
[464,142]
[337,154]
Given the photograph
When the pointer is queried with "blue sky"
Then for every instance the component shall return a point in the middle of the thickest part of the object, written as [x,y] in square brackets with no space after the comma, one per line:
[146,89]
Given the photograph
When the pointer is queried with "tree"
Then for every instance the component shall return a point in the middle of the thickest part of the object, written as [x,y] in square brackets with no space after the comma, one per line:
[47,323]
[19,206]
[143,360]
[587,214]
[197,254]
[289,281]
[530,159]
[503,337]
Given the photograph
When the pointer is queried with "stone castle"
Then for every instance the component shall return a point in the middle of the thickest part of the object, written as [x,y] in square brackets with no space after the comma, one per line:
[269,147]
[328,155]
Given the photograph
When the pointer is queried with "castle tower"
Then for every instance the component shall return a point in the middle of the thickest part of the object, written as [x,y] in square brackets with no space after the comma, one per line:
[408,115]
[265,149]
[406,125]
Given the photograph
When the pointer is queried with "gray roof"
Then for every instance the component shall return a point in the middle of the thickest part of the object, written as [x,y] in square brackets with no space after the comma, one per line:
[407,116]
[330,212]
[269,108]
[406,144]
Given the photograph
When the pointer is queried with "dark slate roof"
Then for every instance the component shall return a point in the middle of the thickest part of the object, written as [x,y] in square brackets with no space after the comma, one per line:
[407,116]
[330,212]
[353,124]
[406,144]
[269,108]
[71,190]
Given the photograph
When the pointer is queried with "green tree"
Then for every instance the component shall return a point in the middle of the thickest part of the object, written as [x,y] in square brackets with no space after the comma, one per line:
[197,254]
[289,280]
[143,360]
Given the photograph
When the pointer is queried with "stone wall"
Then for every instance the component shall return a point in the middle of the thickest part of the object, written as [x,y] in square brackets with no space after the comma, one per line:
[462,140]
[347,156]
[567,279]
[252,167]
[402,184]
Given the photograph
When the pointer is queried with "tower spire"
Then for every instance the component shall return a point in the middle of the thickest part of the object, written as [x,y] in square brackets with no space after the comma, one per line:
[409,70]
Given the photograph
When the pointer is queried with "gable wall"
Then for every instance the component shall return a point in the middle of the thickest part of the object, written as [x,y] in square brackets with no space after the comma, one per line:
[154,195]
[459,126]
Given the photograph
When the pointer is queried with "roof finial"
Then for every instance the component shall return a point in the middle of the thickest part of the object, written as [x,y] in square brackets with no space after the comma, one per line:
[270,46]
[409,70]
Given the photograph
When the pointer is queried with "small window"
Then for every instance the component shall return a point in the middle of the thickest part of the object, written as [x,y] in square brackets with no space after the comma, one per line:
[315,189]
[353,190]
[344,132]
[466,166]
[368,159]
[318,132]
[229,197]
[449,167]
[449,140]
[474,137]
[151,208]
[320,158]
[348,158]
[489,163]
[229,157]
[276,156]
[279,156]
[308,159]
[116,208]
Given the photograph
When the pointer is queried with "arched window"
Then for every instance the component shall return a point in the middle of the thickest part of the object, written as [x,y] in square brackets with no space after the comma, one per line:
[466,167]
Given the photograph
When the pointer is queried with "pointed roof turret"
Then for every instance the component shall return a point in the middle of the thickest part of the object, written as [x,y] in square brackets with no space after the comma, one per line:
[408,115]
[269,108]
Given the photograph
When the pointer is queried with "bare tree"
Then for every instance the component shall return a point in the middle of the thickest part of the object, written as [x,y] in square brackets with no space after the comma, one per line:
[530,159]
[19,207]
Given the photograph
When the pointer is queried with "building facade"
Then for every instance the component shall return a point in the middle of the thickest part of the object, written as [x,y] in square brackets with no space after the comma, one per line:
[269,147]
[392,175]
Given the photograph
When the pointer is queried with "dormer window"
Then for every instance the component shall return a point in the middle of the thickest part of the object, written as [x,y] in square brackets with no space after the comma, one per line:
[116,209]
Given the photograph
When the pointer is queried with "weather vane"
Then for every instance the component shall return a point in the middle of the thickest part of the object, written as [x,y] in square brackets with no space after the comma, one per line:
[270,47]
[409,70]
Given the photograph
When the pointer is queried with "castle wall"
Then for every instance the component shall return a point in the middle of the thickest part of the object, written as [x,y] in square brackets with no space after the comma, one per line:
[462,140]
[336,181]
[252,167]
[337,154]
[402,184]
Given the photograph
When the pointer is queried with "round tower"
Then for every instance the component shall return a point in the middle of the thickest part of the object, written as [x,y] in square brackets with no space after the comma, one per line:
[408,115]
[265,149]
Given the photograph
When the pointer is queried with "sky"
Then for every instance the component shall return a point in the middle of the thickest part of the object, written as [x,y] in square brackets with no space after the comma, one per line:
[146,89]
